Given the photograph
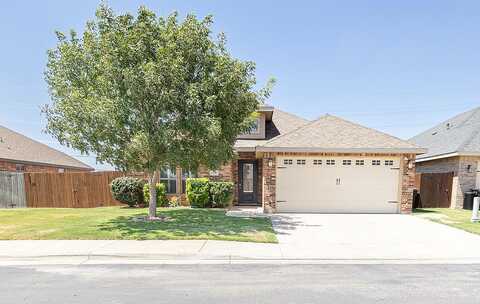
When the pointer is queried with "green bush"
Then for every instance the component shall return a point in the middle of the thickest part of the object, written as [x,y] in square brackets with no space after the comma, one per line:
[162,200]
[221,193]
[127,190]
[198,193]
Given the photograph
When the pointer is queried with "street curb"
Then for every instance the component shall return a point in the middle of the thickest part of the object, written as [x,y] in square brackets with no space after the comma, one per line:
[225,260]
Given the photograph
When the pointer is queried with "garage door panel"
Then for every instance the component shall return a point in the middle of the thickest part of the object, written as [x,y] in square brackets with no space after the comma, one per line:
[338,188]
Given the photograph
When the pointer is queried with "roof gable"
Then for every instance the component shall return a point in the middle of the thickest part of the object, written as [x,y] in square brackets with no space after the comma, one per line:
[459,134]
[331,133]
[17,147]
[282,123]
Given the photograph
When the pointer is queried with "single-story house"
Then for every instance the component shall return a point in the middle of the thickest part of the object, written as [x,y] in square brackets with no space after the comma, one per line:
[453,147]
[22,154]
[329,165]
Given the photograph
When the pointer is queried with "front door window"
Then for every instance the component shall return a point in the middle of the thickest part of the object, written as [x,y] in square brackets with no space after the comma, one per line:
[247,177]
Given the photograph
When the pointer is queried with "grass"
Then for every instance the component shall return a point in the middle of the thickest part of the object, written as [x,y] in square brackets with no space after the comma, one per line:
[115,223]
[457,218]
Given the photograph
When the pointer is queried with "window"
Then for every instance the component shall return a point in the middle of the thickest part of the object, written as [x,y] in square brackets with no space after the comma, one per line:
[168,177]
[187,174]
[317,162]
[375,162]
[389,163]
[287,161]
[359,162]
[254,128]
[19,167]
[330,162]
[346,162]
[300,162]
[61,170]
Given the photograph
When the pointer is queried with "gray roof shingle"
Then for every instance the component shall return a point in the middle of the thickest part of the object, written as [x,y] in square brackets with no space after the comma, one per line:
[17,147]
[330,133]
[460,133]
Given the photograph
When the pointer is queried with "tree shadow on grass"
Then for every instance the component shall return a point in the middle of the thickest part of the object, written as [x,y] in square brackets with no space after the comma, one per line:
[185,224]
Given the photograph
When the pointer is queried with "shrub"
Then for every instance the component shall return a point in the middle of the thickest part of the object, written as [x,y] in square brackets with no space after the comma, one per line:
[127,190]
[174,202]
[221,193]
[162,200]
[198,192]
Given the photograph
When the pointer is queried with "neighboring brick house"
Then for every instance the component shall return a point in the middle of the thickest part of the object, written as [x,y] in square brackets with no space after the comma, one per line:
[22,154]
[453,146]
[330,165]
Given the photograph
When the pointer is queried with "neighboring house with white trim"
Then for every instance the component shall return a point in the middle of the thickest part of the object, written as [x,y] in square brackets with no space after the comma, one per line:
[453,146]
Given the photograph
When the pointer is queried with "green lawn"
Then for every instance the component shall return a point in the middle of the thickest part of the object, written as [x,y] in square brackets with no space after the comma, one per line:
[452,217]
[115,223]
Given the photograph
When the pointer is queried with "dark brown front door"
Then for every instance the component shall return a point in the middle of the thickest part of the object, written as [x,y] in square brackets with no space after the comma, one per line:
[247,182]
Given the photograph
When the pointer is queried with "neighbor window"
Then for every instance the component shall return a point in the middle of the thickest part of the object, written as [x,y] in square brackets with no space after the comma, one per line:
[287,161]
[330,162]
[168,177]
[359,162]
[61,170]
[317,161]
[300,162]
[346,162]
[389,163]
[19,167]
[375,162]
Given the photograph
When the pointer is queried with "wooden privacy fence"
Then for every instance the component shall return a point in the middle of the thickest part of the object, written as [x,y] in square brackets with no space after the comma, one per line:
[12,190]
[435,189]
[70,190]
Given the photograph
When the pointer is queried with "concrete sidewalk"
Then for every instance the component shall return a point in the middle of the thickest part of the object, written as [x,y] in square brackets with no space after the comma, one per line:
[303,238]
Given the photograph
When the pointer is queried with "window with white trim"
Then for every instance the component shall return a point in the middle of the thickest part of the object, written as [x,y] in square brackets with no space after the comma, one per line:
[187,174]
[330,162]
[346,162]
[300,162]
[287,161]
[168,177]
[359,162]
[375,162]
[388,162]
[317,162]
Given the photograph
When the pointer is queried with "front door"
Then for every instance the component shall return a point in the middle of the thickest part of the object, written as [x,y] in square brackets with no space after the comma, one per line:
[247,181]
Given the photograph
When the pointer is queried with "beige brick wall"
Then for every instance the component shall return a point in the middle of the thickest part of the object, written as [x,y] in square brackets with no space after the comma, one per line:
[464,177]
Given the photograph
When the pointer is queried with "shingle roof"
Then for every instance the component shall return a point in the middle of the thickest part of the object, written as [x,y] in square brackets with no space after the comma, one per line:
[17,147]
[282,122]
[460,133]
[330,133]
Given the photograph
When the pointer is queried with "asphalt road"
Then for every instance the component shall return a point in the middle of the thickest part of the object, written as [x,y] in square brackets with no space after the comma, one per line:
[241,284]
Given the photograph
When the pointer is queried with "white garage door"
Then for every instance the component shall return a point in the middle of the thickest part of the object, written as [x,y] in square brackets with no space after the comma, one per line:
[338,184]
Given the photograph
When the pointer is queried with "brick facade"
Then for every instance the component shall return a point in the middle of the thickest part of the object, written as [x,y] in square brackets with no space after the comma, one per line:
[407,163]
[229,172]
[27,167]
[465,173]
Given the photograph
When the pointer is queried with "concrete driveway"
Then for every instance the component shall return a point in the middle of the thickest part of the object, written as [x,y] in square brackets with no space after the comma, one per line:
[371,236]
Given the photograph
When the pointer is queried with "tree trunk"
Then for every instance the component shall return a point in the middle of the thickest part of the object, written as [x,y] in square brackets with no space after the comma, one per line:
[152,207]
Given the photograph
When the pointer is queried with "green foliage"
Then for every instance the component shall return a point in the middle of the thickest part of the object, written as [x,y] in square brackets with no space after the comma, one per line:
[162,200]
[221,193]
[143,91]
[127,190]
[198,192]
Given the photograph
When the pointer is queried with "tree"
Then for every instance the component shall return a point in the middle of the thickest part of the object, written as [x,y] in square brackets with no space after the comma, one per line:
[144,92]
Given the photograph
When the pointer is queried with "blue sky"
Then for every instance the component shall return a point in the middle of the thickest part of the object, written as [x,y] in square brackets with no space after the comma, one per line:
[397,66]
